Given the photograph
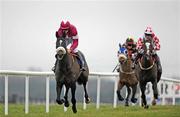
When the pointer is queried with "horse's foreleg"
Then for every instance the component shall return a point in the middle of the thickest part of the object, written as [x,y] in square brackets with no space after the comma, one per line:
[155,90]
[73,100]
[66,103]
[58,91]
[153,101]
[133,99]
[120,86]
[127,98]
[86,94]
[143,96]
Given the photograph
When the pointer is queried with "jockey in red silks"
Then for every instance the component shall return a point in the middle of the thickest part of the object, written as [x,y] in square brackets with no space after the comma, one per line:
[150,35]
[69,31]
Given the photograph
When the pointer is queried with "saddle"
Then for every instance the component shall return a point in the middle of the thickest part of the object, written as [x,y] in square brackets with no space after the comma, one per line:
[76,56]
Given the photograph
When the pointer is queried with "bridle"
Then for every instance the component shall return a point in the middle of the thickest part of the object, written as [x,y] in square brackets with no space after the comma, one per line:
[147,51]
[131,72]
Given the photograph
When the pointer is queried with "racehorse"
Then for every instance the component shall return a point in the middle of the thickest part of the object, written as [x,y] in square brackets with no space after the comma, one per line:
[127,77]
[67,73]
[146,70]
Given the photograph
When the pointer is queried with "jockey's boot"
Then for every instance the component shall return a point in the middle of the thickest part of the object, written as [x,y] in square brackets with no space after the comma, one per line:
[159,67]
[54,67]
[118,69]
[82,66]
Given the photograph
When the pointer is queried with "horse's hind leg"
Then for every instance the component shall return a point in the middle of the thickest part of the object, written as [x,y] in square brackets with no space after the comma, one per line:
[120,86]
[58,91]
[73,99]
[127,98]
[133,99]
[66,103]
[86,94]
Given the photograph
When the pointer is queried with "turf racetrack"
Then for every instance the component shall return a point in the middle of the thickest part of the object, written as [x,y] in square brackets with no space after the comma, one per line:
[105,110]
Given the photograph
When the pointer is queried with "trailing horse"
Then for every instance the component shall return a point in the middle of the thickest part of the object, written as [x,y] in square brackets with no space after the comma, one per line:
[67,73]
[127,77]
[147,72]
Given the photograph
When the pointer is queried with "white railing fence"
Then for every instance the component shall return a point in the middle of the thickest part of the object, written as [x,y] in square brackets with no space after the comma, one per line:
[170,88]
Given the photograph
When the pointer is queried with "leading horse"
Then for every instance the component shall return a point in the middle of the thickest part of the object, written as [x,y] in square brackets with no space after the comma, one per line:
[146,70]
[68,73]
[127,77]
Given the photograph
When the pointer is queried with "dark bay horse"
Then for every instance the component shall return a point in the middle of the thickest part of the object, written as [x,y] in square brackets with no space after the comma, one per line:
[68,73]
[147,72]
[127,78]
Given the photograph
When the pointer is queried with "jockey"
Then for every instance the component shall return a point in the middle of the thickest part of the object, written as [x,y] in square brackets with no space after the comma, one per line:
[69,31]
[130,44]
[150,35]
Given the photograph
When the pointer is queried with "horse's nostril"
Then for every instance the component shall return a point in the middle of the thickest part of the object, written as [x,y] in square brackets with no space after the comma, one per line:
[60,56]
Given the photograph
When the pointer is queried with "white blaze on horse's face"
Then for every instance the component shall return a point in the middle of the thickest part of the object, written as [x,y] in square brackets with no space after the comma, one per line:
[60,52]
[148,47]
[60,42]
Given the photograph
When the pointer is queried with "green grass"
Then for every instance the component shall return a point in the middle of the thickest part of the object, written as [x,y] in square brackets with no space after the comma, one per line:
[16,110]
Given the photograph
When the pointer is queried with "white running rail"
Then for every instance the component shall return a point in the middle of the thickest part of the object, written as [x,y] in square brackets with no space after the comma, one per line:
[174,84]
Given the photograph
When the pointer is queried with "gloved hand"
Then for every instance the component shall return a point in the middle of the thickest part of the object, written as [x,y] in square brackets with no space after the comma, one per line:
[69,50]
[141,51]
[57,36]
[153,52]
[134,56]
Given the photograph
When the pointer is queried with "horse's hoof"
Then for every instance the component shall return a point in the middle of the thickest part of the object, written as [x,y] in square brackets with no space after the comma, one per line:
[154,102]
[156,96]
[126,104]
[60,101]
[120,98]
[74,109]
[133,100]
[66,104]
[146,107]
[88,100]
[142,104]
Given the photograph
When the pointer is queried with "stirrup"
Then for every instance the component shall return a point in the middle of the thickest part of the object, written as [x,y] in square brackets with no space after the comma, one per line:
[53,69]
[82,69]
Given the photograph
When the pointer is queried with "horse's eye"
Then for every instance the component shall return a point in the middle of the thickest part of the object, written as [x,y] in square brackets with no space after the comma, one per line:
[125,52]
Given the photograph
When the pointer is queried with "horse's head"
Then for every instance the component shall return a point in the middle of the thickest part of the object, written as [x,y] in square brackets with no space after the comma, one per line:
[122,58]
[147,60]
[148,49]
[61,49]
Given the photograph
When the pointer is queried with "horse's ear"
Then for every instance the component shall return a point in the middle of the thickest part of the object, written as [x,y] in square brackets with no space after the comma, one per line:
[57,35]
[119,45]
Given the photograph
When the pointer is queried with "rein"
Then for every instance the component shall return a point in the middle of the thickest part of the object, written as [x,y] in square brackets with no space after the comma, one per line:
[142,68]
[132,72]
